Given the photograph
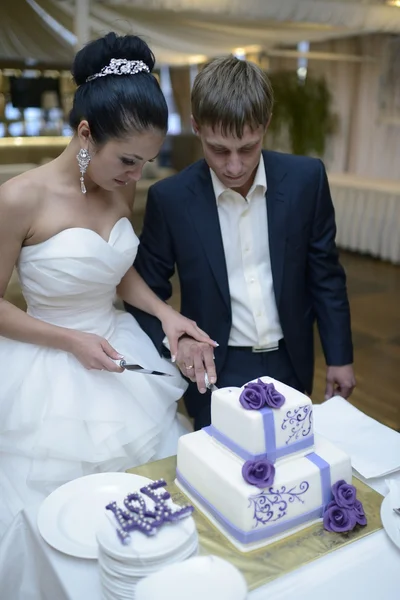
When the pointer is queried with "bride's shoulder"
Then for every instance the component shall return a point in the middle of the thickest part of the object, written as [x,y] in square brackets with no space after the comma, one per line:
[20,201]
[22,192]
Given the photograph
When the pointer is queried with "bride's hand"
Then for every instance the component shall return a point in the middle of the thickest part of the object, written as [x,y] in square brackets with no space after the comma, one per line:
[175,326]
[94,352]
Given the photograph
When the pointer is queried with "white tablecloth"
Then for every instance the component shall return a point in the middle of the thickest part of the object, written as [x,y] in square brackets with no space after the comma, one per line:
[32,570]
[367,215]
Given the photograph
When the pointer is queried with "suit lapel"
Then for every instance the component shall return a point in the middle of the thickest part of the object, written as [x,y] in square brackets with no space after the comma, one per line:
[277,210]
[202,207]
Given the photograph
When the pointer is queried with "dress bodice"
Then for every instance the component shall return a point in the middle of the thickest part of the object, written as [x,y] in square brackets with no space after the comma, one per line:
[70,279]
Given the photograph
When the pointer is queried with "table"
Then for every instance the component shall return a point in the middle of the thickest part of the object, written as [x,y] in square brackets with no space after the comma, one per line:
[32,570]
[367,215]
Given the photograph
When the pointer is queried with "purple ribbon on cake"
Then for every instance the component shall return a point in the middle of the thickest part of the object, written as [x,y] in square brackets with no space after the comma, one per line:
[272,453]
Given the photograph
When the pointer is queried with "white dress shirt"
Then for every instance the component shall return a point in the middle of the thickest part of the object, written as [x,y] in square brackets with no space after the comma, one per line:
[244,227]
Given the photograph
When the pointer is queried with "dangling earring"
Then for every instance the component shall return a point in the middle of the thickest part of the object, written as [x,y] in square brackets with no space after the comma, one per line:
[83,157]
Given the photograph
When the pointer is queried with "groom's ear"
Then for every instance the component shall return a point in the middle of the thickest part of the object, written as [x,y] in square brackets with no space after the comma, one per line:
[195,127]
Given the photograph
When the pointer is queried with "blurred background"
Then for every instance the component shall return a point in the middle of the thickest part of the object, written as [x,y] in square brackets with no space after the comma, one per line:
[335,69]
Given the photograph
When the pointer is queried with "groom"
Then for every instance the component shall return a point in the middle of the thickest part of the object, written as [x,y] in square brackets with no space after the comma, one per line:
[251,234]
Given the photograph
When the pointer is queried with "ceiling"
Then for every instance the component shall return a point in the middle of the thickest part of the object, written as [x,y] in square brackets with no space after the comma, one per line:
[184,31]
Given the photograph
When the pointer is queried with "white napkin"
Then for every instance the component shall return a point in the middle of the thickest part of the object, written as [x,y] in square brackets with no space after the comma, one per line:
[374,448]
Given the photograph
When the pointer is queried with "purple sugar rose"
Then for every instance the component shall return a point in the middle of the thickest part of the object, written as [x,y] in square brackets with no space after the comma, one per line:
[258,394]
[252,397]
[259,472]
[344,494]
[273,398]
[359,513]
[339,519]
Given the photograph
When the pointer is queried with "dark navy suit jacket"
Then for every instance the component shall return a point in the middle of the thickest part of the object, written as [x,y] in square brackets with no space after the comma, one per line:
[181,230]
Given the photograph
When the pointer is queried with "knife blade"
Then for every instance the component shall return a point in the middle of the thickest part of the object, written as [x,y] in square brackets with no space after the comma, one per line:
[211,386]
[139,369]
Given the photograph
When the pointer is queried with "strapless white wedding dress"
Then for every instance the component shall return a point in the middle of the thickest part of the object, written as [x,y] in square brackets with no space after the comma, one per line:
[59,421]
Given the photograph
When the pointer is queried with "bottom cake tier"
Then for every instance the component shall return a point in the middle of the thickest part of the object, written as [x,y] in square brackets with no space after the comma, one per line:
[249,516]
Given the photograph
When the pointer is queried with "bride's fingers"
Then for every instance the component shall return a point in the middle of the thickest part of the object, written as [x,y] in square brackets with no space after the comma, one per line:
[173,345]
[111,365]
[110,351]
[199,335]
[201,331]
[110,359]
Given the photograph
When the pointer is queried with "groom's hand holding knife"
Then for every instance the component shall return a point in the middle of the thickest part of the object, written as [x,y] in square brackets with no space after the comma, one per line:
[196,360]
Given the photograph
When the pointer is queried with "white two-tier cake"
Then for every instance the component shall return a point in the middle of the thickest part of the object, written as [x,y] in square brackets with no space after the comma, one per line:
[258,472]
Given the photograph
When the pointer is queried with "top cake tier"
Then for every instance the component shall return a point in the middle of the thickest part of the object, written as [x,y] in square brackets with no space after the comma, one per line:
[263,419]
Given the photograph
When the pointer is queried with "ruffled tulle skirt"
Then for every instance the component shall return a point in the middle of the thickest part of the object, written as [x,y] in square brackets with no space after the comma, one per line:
[59,421]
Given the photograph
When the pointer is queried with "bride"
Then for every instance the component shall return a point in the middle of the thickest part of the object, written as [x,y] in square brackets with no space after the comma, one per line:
[66,408]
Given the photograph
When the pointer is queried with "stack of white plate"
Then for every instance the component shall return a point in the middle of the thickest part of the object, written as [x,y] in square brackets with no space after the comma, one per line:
[198,578]
[123,565]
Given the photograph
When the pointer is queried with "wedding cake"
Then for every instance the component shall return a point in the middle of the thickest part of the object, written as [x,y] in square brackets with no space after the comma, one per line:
[259,472]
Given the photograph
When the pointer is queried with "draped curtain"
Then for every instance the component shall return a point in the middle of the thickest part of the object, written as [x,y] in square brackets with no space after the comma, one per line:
[366,144]
[180,29]
[180,83]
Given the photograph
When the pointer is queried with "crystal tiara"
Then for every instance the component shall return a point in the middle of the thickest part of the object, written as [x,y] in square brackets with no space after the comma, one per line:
[121,66]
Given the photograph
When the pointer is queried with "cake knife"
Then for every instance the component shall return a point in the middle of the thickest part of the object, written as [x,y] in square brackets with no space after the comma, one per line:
[139,369]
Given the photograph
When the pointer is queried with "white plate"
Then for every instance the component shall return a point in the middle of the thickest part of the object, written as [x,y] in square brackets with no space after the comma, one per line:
[390,521]
[69,518]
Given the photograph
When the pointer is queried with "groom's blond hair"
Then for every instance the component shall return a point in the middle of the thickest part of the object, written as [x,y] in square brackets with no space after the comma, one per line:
[232,93]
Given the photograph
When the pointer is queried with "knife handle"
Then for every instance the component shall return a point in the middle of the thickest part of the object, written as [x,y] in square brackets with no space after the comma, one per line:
[120,362]
[210,386]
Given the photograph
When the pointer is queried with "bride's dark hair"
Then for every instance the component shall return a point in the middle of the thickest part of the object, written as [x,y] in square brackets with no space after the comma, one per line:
[116,105]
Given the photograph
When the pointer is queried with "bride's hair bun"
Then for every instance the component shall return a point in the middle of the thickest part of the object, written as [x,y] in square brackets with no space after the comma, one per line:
[116,105]
[98,54]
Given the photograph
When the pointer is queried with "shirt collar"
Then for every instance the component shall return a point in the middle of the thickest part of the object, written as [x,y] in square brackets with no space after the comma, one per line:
[260,180]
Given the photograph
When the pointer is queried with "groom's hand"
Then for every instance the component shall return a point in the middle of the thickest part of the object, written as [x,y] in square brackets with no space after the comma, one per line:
[195,359]
[340,381]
